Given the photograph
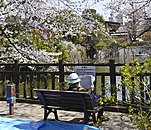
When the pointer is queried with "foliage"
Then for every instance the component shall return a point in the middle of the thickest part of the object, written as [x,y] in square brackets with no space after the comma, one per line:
[105,101]
[108,100]
[63,86]
[34,31]
[147,36]
[139,98]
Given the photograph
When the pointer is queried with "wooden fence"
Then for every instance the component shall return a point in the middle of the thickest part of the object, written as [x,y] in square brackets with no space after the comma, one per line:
[27,77]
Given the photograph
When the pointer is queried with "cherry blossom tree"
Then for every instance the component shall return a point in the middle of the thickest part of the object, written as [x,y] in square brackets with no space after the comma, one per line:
[30,29]
[136,16]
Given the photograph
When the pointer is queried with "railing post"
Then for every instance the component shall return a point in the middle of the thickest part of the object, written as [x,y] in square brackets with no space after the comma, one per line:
[16,75]
[31,85]
[123,90]
[61,71]
[103,85]
[53,81]
[113,78]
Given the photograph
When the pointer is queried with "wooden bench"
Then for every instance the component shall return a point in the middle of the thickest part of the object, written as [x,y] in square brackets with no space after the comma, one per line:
[53,100]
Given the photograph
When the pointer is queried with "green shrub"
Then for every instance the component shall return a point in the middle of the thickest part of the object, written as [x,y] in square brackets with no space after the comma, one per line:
[138,85]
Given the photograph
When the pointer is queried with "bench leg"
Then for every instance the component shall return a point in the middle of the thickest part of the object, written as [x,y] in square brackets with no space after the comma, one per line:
[55,113]
[94,118]
[45,114]
[86,118]
[48,111]
[100,114]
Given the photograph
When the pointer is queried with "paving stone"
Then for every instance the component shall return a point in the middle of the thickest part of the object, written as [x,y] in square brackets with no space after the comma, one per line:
[34,112]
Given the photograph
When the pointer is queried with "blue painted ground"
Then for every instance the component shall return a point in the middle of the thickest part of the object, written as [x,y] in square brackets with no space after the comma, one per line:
[11,124]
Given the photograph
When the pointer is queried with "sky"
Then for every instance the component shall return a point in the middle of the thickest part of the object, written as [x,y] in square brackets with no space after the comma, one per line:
[101,9]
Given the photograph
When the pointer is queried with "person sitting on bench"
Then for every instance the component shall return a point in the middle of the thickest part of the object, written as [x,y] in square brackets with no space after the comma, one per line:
[74,85]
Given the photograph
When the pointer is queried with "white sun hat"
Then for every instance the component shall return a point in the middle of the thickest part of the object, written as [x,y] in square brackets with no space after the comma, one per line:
[73,78]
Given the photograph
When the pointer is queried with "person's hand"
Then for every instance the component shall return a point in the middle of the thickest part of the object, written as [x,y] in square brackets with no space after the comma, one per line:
[92,87]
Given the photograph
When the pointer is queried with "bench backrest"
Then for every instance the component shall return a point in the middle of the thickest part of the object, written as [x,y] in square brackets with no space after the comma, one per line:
[66,100]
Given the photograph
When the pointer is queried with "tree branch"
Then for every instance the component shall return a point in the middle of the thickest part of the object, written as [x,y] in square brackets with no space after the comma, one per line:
[3,32]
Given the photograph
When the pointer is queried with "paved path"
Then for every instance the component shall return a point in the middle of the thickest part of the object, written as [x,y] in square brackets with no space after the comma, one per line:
[118,121]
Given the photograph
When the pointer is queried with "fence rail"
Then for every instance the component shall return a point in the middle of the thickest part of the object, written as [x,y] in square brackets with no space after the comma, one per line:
[41,76]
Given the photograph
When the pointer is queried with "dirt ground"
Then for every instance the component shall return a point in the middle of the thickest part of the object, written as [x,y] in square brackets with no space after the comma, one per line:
[34,112]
